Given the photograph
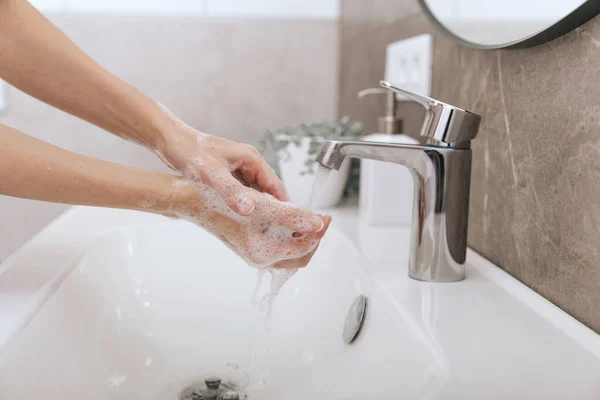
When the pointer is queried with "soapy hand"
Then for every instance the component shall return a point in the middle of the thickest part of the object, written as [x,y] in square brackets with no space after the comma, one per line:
[275,234]
[233,193]
[219,163]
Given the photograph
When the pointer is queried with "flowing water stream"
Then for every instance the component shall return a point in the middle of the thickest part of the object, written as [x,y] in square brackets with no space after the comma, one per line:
[321,177]
[259,331]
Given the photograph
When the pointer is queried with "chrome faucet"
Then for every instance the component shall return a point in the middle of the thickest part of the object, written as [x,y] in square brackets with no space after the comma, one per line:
[441,171]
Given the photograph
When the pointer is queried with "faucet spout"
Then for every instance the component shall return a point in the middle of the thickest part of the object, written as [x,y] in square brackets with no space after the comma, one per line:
[441,177]
[333,152]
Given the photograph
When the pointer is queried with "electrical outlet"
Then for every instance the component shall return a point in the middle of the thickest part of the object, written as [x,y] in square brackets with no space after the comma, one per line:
[3,96]
[408,64]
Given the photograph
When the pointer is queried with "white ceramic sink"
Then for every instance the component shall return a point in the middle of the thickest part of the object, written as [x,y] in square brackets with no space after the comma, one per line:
[149,306]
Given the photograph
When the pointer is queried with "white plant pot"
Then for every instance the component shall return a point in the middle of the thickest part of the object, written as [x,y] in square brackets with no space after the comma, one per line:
[299,186]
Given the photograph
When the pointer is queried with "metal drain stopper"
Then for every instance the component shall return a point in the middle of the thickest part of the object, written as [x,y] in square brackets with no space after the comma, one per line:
[212,383]
[355,319]
[229,395]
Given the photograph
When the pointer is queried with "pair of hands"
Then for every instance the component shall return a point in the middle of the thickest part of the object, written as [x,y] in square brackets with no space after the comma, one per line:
[232,192]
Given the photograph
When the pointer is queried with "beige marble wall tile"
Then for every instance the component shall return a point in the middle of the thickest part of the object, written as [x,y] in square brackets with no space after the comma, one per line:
[362,65]
[535,199]
[224,76]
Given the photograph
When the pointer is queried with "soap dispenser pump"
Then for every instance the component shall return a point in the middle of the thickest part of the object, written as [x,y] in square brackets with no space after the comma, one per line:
[389,123]
[386,189]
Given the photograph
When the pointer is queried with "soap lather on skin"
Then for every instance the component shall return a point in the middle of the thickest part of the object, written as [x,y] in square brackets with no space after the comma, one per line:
[213,160]
[273,233]
[230,180]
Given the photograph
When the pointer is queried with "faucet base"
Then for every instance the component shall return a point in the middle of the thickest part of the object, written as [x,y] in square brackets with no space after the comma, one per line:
[450,279]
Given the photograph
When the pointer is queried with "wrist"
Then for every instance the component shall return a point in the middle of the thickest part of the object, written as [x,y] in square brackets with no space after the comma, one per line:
[176,143]
[157,193]
[126,112]
[154,128]
[179,196]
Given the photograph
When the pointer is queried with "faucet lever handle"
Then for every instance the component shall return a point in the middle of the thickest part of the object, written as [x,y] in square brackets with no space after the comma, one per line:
[444,123]
[416,97]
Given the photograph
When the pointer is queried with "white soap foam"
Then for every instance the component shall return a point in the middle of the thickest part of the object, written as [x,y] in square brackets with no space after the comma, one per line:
[259,240]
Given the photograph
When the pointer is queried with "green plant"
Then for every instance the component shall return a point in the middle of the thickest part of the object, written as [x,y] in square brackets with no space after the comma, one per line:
[274,144]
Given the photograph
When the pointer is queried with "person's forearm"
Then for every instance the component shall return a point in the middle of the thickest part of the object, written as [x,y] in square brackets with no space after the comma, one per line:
[32,169]
[40,60]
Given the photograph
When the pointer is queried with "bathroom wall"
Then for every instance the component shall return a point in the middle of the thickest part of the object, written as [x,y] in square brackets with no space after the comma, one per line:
[535,200]
[229,75]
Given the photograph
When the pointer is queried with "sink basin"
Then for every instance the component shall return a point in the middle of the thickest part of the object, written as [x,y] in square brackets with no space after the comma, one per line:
[151,309]
[150,306]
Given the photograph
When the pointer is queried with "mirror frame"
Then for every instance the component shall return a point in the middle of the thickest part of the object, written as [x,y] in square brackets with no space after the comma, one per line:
[576,18]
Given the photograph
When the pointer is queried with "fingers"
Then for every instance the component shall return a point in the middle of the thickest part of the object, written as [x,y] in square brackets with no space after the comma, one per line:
[304,260]
[294,218]
[223,172]
[233,193]
[256,170]
[268,180]
[326,221]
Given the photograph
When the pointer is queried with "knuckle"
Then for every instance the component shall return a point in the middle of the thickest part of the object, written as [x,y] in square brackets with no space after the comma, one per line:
[251,150]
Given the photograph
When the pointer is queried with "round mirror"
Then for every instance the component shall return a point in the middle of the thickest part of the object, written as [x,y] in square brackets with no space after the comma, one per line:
[495,24]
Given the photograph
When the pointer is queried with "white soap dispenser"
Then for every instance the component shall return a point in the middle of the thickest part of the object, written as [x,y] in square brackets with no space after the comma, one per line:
[386,189]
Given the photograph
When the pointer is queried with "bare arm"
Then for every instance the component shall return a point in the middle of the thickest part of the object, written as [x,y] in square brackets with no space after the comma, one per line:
[40,60]
[33,169]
